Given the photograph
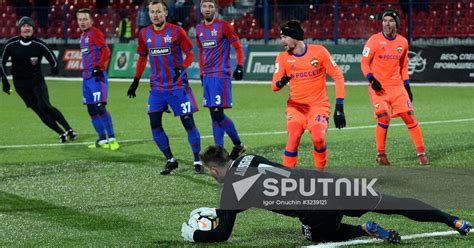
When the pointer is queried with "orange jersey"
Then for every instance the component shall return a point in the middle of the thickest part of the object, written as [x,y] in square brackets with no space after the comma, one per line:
[386,59]
[308,75]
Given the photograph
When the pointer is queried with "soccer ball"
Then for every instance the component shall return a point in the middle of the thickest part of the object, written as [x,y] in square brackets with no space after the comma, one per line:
[203,223]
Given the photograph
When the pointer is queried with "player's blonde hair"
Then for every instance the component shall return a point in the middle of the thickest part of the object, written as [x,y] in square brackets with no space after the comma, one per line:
[162,2]
[209,1]
[85,11]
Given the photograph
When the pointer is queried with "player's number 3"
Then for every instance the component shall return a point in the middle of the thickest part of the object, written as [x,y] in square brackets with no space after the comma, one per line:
[218,99]
[186,106]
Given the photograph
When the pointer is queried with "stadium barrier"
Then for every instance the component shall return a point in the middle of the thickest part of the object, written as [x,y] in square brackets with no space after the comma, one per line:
[426,63]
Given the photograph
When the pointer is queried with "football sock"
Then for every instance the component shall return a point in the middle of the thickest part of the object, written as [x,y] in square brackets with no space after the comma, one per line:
[320,151]
[381,131]
[218,134]
[107,120]
[194,137]
[161,140]
[415,131]
[290,159]
[228,126]
[99,127]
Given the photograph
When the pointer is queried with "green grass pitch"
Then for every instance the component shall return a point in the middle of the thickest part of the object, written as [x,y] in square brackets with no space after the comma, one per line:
[69,195]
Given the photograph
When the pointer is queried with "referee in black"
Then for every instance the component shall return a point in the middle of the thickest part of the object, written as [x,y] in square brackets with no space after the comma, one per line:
[26,52]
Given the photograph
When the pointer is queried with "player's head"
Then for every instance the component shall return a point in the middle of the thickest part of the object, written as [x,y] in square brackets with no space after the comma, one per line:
[84,18]
[158,11]
[216,160]
[208,9]
[26,25]
[390,22]
[291,34]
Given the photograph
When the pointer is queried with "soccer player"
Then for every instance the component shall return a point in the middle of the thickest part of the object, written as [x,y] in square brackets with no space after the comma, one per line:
[164,44]
[321,224]
[214,38]
[385,65]
[304,67]
[26,52]
[95,84]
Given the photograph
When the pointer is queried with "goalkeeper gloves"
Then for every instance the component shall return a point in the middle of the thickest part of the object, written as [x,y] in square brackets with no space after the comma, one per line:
[187,232]
[131,93]
[177,73]
[5,85]
[408,89]
[238,72]
[208,212]
[283,81]
[375,84]
[97,72]
[339,117]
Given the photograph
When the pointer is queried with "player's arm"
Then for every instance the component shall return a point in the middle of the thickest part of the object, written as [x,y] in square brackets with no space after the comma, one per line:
[223,230]
[280,79]
[140,68]
[231,36]
[404,71]
[104,50]
[5,55]
[336,74]
[49,55]
[187,47]
[365,64]
[200,59]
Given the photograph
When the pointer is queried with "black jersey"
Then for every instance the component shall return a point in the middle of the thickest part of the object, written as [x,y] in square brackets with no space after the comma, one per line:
[26,56]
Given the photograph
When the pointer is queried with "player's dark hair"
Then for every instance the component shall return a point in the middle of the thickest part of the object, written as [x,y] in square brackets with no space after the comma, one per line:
[292,29]
[153,2]
[215,156]
[208,1]
[85,11]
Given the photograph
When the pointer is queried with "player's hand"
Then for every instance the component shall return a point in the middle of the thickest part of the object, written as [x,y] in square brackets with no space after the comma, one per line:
[208,212]
[339,117]
[410,95]
[5,85]
[131,93]
[177,73]
[376,86]
[187,232]
[238,72]
[55,70]
[97,72]
[283,81]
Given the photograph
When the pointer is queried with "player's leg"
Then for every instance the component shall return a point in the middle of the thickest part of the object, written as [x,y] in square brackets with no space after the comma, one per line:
[382,114]
[94,113]
[419,211]
[416,135]
[295,126]
[102,86]
[194,137]
[318,125]
[227,125]
[41,92]
[32,101]
[211,97]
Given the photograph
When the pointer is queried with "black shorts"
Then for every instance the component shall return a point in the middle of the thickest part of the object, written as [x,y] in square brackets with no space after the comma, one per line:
[34,95]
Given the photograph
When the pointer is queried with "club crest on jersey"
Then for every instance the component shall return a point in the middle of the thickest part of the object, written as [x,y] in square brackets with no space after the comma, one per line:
[34,60]
[85,50]
[160,51]
[399,49]
[314,62]
[214,32]
[167,38]
[208,43]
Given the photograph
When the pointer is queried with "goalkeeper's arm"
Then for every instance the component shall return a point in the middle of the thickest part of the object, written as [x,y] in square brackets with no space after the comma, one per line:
[222,232]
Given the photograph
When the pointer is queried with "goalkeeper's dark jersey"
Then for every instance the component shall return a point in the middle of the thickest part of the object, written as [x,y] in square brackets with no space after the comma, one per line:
[243,189]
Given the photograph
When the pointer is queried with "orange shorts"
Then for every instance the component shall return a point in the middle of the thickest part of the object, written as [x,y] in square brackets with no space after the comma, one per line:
[307,116]
[394,101]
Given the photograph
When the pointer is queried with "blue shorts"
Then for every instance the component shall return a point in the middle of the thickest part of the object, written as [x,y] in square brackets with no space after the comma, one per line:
[95,90]
[217,92]
[182,101]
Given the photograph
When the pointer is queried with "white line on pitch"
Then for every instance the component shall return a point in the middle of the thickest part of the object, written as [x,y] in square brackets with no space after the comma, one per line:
[370,241]
[241,134]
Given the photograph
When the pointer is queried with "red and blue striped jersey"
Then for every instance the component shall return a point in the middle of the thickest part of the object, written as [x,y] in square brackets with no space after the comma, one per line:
[165,50]
[92,44]
[214,41]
